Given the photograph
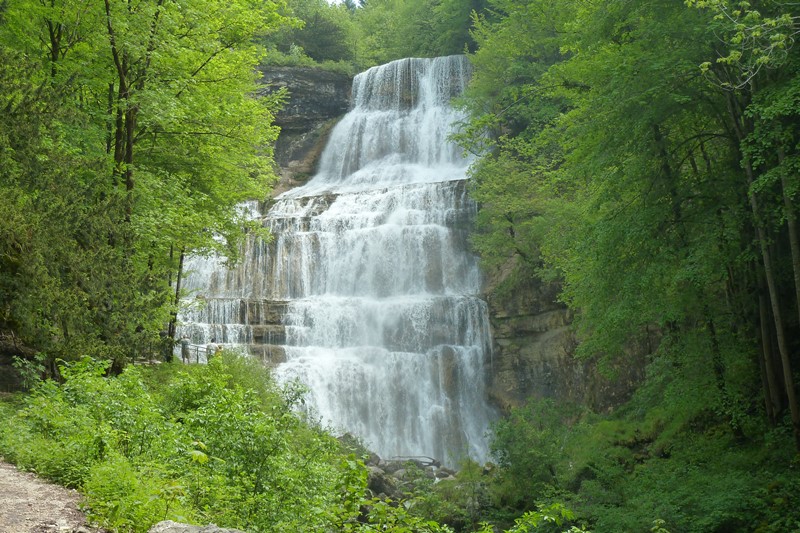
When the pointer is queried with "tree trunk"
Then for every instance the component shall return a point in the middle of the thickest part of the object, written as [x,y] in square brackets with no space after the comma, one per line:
[783,348]
[791,222]
[173,323]
[772,399]
[742,129]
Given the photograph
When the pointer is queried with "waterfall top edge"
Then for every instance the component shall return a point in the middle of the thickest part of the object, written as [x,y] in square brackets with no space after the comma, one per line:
[398,129]
[452,57]
[411,82]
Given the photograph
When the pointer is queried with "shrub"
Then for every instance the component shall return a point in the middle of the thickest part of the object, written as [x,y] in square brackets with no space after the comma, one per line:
[124,498]
[200,447]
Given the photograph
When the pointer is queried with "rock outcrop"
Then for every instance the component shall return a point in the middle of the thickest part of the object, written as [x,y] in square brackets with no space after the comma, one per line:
[534,347]
[168,526]
[316,99]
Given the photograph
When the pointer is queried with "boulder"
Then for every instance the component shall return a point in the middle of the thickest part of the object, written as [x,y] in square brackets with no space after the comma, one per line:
[168,526]
[381,484]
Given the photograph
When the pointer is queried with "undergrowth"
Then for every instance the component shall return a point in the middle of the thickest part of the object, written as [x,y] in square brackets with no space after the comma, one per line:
[223,443]
[190,445]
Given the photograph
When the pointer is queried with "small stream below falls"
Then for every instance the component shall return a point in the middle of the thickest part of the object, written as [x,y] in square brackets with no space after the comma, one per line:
[368,293]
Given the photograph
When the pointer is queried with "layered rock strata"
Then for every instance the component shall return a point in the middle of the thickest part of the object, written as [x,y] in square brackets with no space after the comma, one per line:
[533,343]
[316,100]
[534,350]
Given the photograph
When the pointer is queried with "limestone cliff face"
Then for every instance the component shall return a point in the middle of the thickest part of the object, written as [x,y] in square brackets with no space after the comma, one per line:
[534,348]
[317,99]
[533,341]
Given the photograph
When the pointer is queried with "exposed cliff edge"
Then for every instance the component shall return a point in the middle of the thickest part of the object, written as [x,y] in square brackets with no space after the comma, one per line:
[317,99]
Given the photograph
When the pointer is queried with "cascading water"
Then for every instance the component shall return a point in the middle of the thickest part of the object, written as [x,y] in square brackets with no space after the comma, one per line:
[370,274]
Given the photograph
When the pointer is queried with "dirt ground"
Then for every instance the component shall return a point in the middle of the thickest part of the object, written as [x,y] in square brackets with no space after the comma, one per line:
[30,505]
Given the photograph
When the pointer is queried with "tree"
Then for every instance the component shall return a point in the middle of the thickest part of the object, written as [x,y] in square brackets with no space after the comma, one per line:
[756,68]
[325,32]
[147,110]
[613,168]
[393,29]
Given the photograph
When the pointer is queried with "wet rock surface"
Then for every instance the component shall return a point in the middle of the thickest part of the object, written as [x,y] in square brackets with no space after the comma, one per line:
[533,343]
[316,100]
[534,347]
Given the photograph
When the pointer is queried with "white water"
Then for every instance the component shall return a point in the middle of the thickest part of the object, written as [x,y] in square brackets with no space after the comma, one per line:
[382,320]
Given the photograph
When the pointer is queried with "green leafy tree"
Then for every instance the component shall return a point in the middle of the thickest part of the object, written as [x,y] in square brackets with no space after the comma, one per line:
[757,60]
[135,125]
[393,29]
[614,171]
[648,169]
[328,32]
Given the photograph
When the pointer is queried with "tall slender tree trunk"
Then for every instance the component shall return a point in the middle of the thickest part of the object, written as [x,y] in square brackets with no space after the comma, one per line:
[772,400]
[791,223]
[783,348]
[735,108]
[173,323]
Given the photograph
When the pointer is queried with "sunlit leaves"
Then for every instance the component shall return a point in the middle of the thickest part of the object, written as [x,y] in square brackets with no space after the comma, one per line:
[756,35]
[131,132]
[602,164]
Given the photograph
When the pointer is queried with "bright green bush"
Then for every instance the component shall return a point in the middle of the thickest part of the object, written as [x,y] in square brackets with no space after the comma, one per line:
[193,444]
[53,437]
[124,498]
[203,449]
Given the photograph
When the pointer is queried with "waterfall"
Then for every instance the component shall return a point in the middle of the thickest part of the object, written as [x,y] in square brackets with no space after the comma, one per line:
[367,293]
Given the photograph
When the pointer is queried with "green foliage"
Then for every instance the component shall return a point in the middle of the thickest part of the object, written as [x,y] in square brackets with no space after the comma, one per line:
[207,450]
[654,457]
[296,57]
[705,484]
[759,35]
[193,444]
[617,167]
[460,502]
[125,498]
[555,515]
[325,34]
[528,445]
[389,516]
[393,29]
[613,166]
[774,508]
[616,140]
[346,38]
[30,370]
[129,137]
[605,165]
[328,32]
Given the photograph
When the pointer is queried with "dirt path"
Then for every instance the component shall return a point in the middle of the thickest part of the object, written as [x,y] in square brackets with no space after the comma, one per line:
[30,505]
